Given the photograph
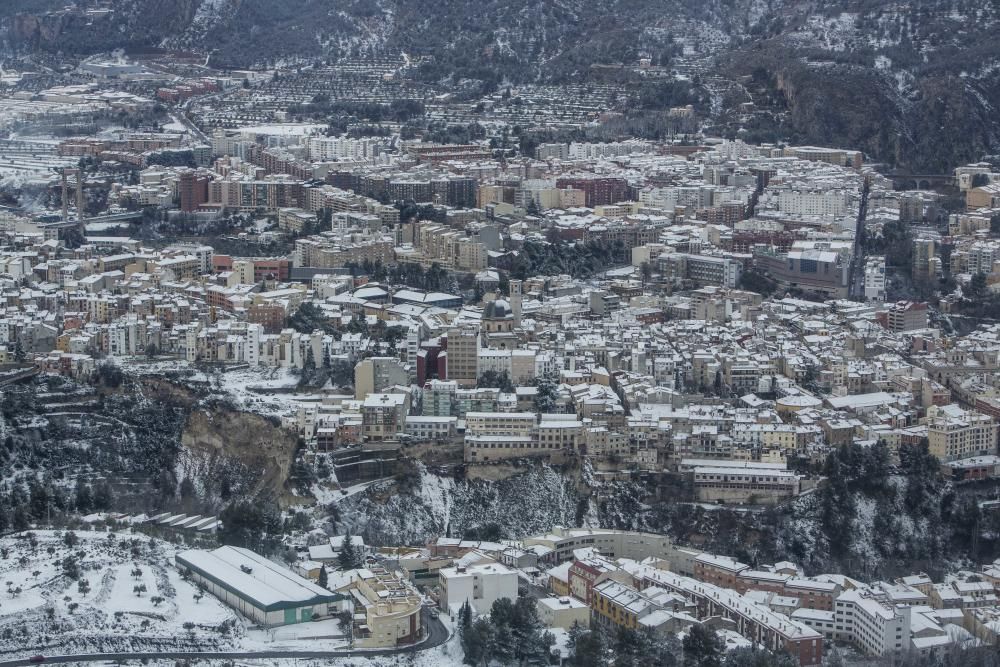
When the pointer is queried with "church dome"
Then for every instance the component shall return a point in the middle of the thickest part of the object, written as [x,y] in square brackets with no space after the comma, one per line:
[497,310]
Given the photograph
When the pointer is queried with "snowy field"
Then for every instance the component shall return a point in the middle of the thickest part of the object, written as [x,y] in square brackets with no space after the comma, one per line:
[22,162]
[102,592]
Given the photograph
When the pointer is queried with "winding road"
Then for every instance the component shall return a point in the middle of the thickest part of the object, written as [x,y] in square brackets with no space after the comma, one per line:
[437,635]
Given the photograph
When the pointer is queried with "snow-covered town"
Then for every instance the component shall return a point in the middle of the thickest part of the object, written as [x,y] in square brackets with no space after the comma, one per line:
[392,352]
[668,338]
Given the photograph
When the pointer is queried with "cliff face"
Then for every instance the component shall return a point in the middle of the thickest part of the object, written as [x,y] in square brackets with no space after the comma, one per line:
[225,453]
[130,23]
[33,30]
[229,453]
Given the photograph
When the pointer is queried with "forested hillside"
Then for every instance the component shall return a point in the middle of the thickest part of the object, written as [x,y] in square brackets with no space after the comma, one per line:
[132,445]
[869,519]
[914,84]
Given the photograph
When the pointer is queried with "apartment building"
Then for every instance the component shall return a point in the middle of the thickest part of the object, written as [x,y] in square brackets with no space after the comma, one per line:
[734,484]
[270,193]
[875,279]
[772,630]
[462,356]
[617,605]
[718,570]
[494,361]
[563,612]
[904,316]
[555,432]
[597,190]
[986,196]
[562,542]
[480,584]
[585,573]
[327,149]
[295,219]
[375,374]
[192,190]
[954,433]
[701,269]
[875,627]
[336,250]
[439,398]
[500,423]
[384,415]
[448,247]
[431,428]
[834,203]
[836,156]
[926,262]
[811,593]
[811,270]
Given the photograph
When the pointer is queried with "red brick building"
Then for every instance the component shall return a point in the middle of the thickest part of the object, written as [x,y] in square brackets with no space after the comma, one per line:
[269,315]
[598,191]
[193,190]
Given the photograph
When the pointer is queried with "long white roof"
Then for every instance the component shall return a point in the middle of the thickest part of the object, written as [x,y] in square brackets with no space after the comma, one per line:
[266,584]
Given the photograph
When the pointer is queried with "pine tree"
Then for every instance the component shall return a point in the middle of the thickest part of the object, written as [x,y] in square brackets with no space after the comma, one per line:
[322,581]
[477,643]
[84,496]
[103,496]
[754,657]
[702,647]
[465,616]
[589,650]
[21,519]
[348,557]
[977,287]
[505,646]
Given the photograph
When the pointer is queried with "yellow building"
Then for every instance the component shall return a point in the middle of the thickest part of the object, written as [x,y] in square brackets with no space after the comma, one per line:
[954,433]
[386,609]
[616,605]
[559,579]
[781,436]
[986,196]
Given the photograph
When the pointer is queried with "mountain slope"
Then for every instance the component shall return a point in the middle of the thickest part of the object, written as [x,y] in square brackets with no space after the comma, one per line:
[505,34]
[915,84]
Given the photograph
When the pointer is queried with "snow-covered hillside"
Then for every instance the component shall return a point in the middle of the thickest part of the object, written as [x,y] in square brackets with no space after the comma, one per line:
[427,506]
[73,592]
[67,592]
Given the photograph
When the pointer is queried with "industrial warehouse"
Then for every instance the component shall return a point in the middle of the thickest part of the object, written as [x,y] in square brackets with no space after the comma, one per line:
[259,589]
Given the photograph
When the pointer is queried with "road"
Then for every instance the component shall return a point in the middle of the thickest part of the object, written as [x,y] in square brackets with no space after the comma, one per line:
[528,589]
[181,117]
[437,635]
